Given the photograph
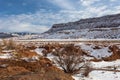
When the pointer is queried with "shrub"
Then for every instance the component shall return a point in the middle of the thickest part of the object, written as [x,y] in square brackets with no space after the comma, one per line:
[0,47]
[70,59]
[9,44]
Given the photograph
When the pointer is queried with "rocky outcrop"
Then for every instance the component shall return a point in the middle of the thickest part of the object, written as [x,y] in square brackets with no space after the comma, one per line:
[99,22]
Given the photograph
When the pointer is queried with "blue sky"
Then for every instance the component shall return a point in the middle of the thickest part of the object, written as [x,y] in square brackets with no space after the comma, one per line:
[40,15]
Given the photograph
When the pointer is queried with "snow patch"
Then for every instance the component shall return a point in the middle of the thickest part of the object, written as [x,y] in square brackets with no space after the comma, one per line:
[97,53]
[6,56]
[39,51]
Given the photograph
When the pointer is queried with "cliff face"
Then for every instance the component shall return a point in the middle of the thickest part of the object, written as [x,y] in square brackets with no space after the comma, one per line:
[99,22]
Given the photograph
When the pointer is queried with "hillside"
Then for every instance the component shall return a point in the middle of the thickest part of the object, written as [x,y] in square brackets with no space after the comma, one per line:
[100,22]
[92,28]
[5,35]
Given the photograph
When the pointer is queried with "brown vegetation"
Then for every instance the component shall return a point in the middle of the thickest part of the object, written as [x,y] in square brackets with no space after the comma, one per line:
[70,59]
[9,44]
[115,53]
[40,70]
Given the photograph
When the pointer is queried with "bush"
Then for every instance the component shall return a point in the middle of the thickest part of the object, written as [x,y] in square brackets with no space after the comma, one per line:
[70,59]
[0,47]
[9,44]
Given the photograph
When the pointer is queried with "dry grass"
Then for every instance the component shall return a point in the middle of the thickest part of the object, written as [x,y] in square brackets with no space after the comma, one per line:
[40,70]
[115,53]
[9,44]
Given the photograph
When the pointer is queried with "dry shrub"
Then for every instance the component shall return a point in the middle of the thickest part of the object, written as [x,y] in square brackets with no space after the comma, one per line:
[23,51]
[70,59]
[87,69]
[1,47]
[27,54]
[45,52]
[9,44]
[49,48]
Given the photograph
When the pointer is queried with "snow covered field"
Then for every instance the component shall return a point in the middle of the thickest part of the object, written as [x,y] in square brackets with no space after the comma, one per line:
[102,70]
[100,75]
[105,74]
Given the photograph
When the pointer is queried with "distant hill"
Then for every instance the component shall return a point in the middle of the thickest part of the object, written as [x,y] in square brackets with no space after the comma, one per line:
[15,34]
[99,27]
[99,22]
[5,35]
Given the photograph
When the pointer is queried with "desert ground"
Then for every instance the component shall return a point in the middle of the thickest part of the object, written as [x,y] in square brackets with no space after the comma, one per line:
[60,60]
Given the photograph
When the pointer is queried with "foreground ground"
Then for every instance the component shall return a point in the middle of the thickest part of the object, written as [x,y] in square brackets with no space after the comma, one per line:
[33,62]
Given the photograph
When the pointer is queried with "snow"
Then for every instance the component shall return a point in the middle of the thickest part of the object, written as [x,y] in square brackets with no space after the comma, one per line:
[102,74]
[39,51]
[94,33]
[51,57]
[103,51]
[6,56]
[65,39]
[97,53]
[3,65]
[32,59]
[102,27]
[103,64]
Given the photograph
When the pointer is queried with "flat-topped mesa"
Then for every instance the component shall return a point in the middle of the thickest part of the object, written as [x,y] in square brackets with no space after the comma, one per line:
[59,27]
[98,22]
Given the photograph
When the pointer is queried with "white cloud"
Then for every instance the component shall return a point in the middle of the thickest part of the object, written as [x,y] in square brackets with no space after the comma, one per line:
[113,0]
[42,20]
[97,11]
[64,4]
[88,2]
[20,24]
[117,7]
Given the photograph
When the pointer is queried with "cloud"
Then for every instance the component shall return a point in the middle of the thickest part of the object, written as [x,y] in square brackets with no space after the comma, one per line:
[88,2]
[97,11]
[38,22]
[96,8]
[113,0]
[19,23]
[43,19]
[64,4]
[117,7]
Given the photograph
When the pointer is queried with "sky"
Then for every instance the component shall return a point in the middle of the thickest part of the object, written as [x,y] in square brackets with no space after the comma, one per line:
[39,15]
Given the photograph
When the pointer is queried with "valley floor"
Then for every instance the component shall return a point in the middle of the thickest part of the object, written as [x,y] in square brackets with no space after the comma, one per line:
[104,60]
